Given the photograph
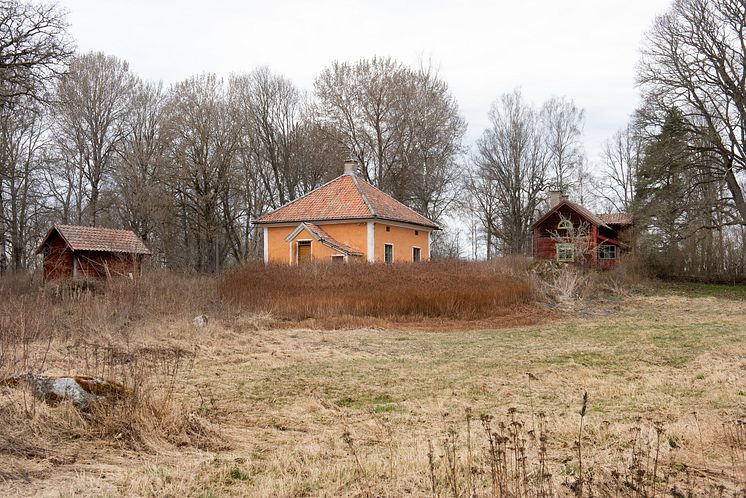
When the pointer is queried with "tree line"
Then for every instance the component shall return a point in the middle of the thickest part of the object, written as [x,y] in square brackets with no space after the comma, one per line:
[84,140]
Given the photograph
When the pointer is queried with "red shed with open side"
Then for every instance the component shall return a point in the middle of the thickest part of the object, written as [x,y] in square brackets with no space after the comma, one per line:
[79,252]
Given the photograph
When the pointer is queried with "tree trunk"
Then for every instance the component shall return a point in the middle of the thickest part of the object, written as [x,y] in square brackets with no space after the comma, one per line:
[737,192]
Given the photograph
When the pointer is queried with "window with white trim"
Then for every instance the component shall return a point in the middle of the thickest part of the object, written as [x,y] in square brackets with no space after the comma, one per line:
[338,258]
[564,225]
[565,252]
[607,251]
[416,254]
[388,253]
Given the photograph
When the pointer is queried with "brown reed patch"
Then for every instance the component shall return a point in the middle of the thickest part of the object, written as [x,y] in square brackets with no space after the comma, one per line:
[453,290]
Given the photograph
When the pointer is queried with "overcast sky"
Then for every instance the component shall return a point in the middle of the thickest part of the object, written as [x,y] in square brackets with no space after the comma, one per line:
[583,49]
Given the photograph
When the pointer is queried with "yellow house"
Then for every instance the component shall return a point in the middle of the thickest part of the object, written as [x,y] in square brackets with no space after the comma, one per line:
[346,219]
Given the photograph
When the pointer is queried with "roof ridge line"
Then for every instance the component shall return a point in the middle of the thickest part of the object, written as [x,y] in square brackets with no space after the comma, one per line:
[364,197]
[302,196]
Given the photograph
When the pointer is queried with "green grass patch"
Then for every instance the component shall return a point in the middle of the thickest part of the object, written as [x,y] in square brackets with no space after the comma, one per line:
[735,292]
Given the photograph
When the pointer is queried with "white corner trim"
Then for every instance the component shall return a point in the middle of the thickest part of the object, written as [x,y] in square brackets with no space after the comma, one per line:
[265,235]
[429,244]
[371,242]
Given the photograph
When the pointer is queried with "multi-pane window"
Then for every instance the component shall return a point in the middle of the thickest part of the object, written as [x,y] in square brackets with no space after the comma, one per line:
[415,254]
[607,252]
[564,225]
[388,253]
[565,252]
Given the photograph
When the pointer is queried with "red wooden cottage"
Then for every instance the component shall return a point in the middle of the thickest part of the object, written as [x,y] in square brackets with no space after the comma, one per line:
[570,233]
[77,252]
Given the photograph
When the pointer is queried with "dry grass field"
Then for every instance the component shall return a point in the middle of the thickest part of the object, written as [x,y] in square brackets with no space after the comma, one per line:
[252,406]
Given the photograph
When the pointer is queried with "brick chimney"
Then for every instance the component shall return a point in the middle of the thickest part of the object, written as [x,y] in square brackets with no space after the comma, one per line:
[555,197]
[351,166]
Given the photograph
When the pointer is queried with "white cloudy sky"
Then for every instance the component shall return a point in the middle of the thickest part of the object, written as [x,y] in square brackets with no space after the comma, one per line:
[584,49]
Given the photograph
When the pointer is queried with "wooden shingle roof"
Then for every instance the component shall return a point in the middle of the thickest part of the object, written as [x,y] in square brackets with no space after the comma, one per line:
[81,238]
[616,218]
[347,197]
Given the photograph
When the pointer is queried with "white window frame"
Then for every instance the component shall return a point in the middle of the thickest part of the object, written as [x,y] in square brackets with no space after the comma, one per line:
[335,257]
[565,225]
[559,247]
[604,246]
[392,253]
[419,253]
[297,252]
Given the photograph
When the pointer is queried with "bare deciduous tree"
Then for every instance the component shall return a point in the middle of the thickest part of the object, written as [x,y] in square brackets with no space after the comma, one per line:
[484,202]
[401,124]
[269,108]
[93,101]
[139,172]
[431,145]
[34,49]
[621,158]
[203,139]
[361,102]
[694,61]
[512,164]
[22,196]
[563,122]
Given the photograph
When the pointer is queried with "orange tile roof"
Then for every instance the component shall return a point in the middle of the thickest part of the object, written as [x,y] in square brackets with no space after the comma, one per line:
[80,238]
[347,197]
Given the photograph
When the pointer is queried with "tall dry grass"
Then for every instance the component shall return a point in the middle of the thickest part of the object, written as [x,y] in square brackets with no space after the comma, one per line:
[516,456]
[452,290]
[84,329]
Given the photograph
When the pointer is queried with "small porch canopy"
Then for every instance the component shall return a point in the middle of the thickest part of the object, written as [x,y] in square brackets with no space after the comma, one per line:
[324,238]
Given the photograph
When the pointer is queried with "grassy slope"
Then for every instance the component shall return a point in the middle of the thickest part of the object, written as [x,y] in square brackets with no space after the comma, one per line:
[284,398]
[735,292]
